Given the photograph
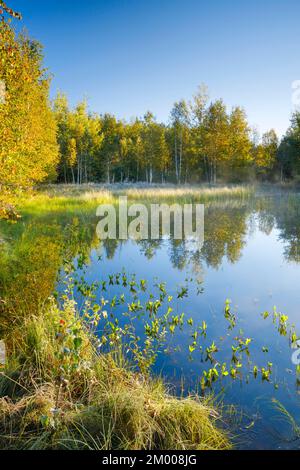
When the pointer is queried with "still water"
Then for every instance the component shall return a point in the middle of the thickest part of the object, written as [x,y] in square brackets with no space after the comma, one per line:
[251,255]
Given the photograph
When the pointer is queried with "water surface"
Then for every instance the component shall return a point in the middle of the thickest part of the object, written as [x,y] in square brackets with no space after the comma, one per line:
[251,255]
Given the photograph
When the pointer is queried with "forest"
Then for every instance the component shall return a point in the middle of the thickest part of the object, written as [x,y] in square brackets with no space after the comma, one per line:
[45,140]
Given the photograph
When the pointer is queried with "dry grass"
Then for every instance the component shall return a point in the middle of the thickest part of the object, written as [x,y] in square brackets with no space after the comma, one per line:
[195,193]
[137,191]
[100,406]
[73,198]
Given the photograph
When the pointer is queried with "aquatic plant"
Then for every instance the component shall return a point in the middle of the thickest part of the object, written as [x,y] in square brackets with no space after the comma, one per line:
[58,391]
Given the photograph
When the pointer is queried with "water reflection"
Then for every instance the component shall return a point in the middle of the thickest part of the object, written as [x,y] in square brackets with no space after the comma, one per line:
[251,253]
[32,251]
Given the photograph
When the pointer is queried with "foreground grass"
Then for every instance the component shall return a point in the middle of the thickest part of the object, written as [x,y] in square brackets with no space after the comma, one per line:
[58,392]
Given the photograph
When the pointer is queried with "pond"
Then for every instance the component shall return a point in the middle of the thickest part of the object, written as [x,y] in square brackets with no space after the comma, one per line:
[250,258]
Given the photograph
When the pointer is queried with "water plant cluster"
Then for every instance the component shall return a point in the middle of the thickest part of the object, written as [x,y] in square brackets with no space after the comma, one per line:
[146,329]
[63,387]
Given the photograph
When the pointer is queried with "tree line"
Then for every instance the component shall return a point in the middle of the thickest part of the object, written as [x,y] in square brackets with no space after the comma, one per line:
[202,140]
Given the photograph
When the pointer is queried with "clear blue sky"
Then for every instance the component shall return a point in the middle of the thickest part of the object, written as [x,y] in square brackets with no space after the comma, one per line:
[129,56]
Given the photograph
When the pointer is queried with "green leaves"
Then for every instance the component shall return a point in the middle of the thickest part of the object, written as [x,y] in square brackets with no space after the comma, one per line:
[150,310]
[228,315]
[182,293]
[265,315]
[77,342]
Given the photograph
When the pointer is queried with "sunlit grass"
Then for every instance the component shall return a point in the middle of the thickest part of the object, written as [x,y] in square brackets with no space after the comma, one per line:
[41,203]
[193,193]
[72,198]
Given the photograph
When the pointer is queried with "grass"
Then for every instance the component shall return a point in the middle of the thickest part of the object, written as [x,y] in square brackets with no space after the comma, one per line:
[57,391]
[137,191]
[61,202]
[201,194]
[288,418]
[59,198]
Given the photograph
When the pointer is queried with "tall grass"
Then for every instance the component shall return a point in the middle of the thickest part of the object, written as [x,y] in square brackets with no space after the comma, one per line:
[74,198]
[61,202]
[201,194]
[51,398]
[94,191]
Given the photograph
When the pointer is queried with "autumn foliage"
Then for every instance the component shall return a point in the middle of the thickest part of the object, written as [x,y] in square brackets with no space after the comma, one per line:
[28,151]
[5,9]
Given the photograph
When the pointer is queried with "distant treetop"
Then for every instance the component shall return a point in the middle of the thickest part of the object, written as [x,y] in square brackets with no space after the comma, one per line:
[5,9]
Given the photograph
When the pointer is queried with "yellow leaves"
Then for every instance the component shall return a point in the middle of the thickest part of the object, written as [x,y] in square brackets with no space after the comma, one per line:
[8,10]
[28,149]
[8,212]
[72,152]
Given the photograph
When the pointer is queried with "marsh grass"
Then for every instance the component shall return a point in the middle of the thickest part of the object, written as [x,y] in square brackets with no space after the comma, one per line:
[42,203]
[200,194]
[81,399]
[62,199]
[72,198]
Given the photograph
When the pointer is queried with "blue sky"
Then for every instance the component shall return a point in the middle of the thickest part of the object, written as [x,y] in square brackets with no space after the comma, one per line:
[129,56]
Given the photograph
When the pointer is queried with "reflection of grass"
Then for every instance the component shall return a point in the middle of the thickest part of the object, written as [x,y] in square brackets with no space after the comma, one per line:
[58,392]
